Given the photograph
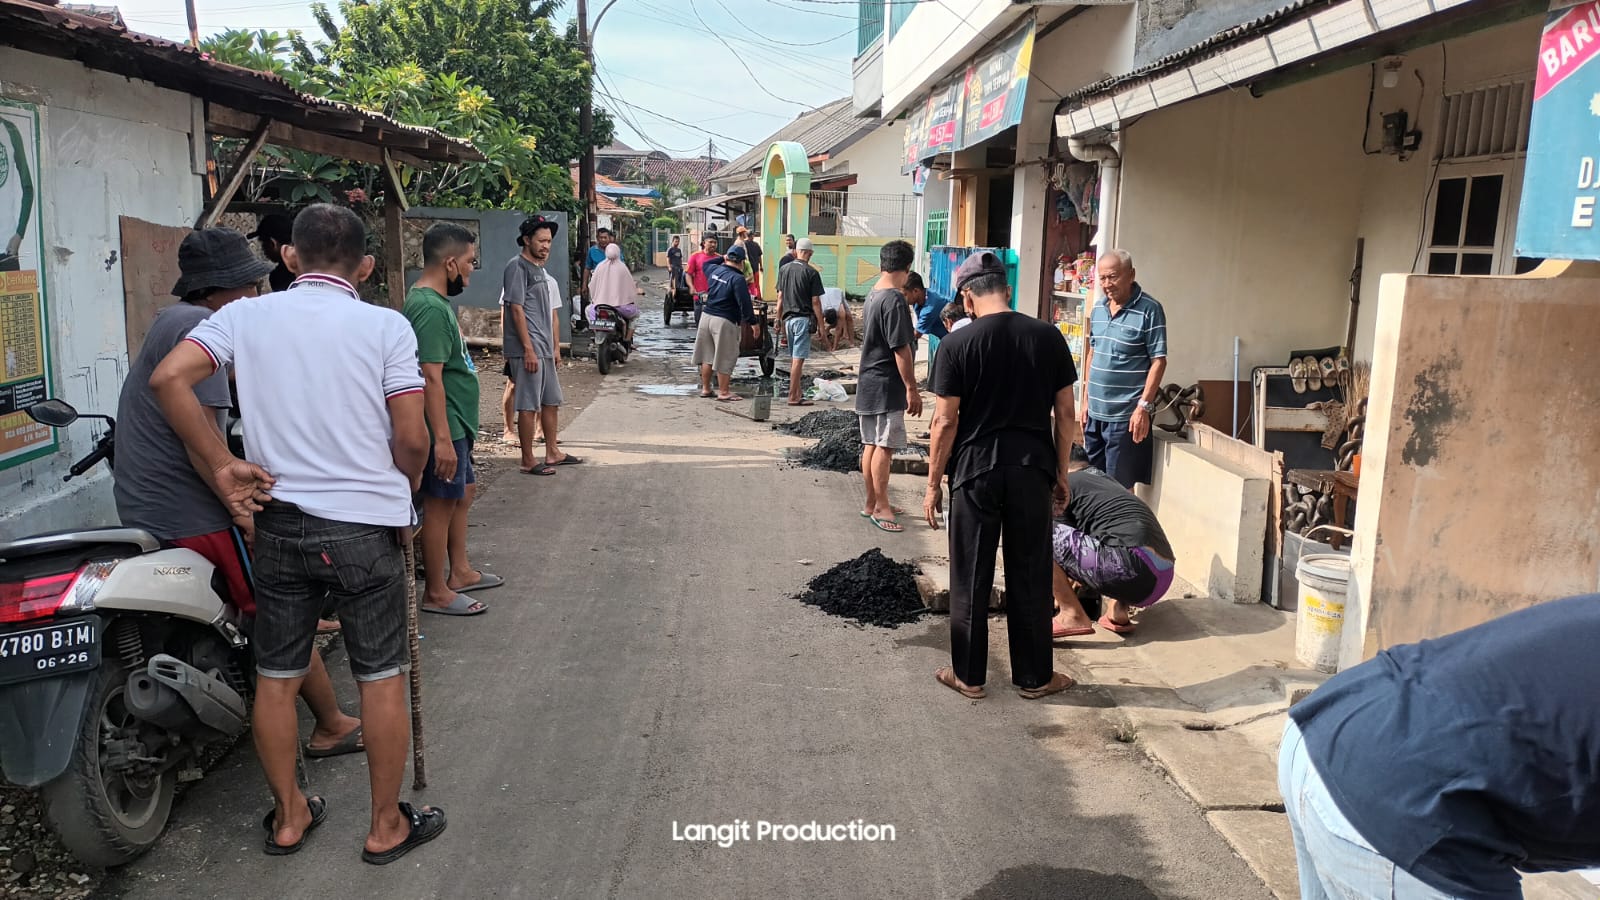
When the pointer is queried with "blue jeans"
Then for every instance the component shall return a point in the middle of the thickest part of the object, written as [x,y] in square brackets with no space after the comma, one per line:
[1112,450]
[1336,862]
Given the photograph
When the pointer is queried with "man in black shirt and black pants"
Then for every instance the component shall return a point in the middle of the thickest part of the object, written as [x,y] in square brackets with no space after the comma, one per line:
[998,381]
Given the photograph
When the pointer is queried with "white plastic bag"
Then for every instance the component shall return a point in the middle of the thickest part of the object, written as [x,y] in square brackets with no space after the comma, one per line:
[832,391]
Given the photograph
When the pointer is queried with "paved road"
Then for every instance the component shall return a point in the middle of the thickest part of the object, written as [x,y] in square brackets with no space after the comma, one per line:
[645,667]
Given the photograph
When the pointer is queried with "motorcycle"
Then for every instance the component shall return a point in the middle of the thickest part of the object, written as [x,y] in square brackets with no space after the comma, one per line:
[120,666]
[610,336]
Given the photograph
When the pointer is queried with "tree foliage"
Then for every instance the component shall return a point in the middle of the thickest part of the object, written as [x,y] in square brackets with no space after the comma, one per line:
[495,72]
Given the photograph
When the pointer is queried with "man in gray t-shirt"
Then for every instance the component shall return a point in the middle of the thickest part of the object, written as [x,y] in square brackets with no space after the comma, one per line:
[887,386]
[529,340]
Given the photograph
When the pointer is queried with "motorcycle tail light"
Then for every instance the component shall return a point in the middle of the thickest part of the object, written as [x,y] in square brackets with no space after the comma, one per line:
[34,598]
[50,595]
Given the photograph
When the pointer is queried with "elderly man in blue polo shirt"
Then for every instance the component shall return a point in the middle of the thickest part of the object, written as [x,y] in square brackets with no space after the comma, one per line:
[1126,357]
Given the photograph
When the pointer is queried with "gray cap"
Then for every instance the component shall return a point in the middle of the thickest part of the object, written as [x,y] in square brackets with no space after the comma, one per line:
[804,244]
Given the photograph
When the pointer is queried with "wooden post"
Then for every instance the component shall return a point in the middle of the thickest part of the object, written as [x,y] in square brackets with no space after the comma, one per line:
[394,207]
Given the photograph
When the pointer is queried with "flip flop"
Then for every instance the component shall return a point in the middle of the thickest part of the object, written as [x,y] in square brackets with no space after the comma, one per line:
[734,399]
[568,460]
[1313,373]
[319,812]
[897,511]
[426,824]
[803,403]
[350,743]
[1057,683]
[1116,627]
[947,677]
[1297,375]
[706,395]
[462,605]
[889,525]
[543,469]
[1059,633]
[485,582]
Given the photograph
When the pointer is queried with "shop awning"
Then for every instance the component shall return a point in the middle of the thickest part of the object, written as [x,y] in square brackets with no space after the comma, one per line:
[1300,34]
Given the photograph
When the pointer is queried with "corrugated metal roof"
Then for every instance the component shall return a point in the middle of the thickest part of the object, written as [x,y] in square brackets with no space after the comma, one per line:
[1227,35]
[110,47]
[825,130]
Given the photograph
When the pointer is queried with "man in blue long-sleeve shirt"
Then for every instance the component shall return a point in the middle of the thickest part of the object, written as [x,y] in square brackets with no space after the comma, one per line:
[716,345]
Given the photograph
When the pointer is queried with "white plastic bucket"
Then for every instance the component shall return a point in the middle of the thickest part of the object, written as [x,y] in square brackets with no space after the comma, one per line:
[1319,623]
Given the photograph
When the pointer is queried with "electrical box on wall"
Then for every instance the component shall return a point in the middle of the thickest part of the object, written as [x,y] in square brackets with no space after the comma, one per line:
[1396,139]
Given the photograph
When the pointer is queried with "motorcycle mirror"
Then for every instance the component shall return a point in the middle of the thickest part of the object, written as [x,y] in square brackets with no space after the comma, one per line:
[53,412]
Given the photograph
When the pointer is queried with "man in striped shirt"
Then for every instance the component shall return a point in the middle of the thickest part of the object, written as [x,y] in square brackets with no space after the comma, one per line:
[1126,356]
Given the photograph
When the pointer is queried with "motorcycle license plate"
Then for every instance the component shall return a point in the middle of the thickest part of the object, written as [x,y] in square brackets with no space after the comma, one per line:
[55,649]
[603,325]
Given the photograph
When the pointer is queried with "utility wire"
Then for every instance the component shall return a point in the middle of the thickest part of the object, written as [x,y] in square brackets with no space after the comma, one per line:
[735,16]
[633,123]
[718,100]
[720,39]
[679,122]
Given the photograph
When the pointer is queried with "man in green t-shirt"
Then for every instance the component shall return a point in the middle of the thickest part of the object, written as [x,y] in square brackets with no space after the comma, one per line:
[450,401]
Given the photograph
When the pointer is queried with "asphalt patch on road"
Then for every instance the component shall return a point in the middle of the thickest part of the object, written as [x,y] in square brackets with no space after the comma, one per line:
[839,446]
[821,423]
[871,589]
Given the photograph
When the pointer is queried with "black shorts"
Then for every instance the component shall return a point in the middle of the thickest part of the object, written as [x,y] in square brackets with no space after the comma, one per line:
[507,371]
[304,565]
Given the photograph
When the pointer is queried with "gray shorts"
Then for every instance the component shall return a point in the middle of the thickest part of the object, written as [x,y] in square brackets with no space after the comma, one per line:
[535,390]
[717,344]
[887,430]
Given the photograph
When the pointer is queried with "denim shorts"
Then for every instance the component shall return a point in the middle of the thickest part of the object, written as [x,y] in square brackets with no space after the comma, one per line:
[455,488]
[799,330]
[306,565]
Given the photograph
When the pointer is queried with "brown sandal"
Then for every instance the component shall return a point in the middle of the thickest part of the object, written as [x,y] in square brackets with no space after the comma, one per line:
[1057,683]
[947,677]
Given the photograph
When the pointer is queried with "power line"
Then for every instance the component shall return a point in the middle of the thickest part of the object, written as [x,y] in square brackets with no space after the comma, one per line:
[720,39]
[735,16]
[811,12]
[679,122]
[718,100]
[633,123]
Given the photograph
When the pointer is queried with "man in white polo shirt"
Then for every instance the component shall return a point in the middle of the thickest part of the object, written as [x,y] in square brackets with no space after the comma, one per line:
[334,429]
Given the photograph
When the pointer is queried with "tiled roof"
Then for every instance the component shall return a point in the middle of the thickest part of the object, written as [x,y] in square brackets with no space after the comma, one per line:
[826,130]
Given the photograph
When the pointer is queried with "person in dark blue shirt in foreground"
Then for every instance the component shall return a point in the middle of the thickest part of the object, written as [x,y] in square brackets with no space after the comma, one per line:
[1440,769]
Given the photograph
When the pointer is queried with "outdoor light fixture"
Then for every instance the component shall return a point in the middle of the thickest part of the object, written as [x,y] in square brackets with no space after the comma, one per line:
[1391,70]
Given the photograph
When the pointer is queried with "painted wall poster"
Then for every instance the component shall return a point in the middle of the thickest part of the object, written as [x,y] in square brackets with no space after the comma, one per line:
[24,335]
[1561,186]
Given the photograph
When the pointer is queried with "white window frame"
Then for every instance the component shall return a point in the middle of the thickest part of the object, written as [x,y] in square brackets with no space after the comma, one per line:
[1504,250]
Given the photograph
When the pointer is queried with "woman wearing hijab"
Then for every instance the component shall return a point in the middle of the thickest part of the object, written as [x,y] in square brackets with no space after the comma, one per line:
[612,285]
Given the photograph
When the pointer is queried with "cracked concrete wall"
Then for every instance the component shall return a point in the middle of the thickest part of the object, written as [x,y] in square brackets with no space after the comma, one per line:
[112,146]
[1167,26]
[1480,476]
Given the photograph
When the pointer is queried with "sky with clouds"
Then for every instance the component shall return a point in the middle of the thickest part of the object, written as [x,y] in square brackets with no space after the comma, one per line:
[670,81]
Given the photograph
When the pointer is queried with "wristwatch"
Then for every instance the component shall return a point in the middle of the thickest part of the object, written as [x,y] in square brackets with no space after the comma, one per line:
[1147,406]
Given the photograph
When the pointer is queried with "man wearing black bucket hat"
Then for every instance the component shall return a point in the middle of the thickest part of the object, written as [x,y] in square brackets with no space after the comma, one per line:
[155,484]
[275,232]
[998,381]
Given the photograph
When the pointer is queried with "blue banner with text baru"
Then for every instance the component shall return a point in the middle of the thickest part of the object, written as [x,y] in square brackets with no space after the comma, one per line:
[1562,185]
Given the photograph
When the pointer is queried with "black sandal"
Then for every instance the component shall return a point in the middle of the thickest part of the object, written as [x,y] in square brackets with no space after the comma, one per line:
[426,824]
[319,812]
